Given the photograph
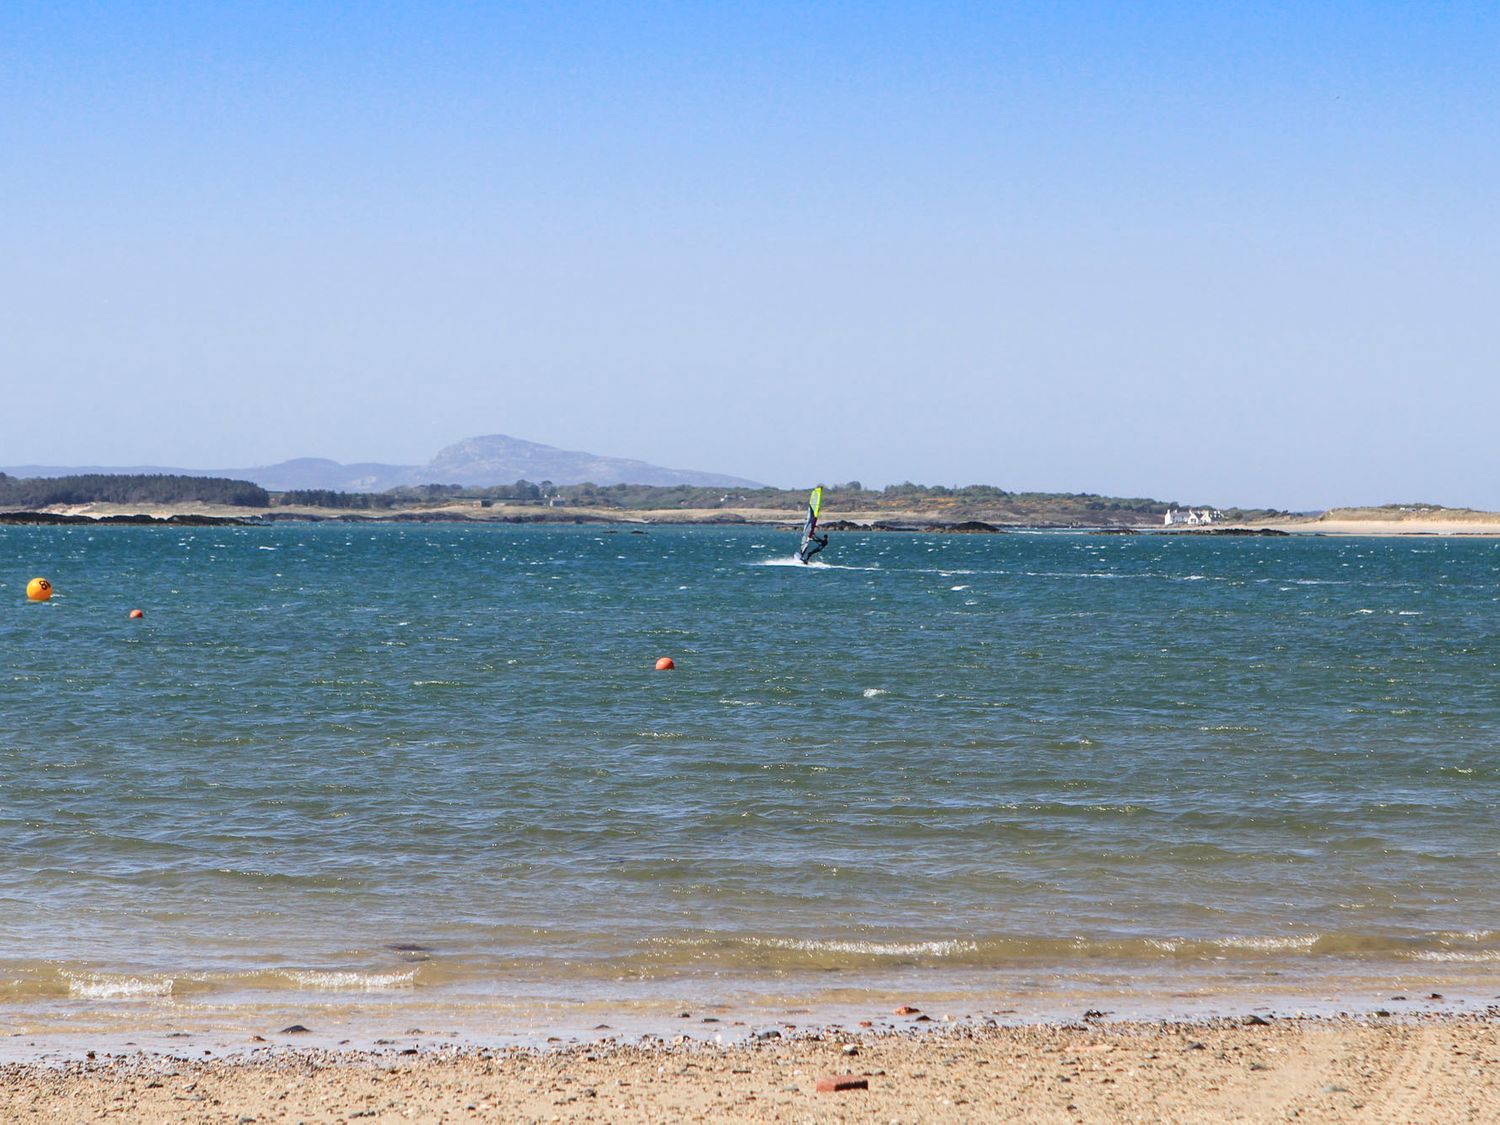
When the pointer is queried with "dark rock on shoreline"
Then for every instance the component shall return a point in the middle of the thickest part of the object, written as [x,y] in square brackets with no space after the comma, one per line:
[966,527]
[1238,531]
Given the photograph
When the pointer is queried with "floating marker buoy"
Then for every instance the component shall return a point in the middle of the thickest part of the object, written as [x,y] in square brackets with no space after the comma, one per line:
[38,589]
[134,613]
[665,664]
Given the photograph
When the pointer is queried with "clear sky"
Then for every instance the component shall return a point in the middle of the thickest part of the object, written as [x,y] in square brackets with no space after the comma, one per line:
[1228,253]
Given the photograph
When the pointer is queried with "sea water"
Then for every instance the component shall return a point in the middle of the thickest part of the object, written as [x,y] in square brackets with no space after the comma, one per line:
[428,761]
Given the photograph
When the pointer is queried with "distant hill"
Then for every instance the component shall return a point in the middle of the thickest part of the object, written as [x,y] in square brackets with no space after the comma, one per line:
[498,459]
[476,462]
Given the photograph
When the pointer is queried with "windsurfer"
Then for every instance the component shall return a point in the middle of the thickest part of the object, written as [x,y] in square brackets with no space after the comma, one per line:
[815,543]
[812,542]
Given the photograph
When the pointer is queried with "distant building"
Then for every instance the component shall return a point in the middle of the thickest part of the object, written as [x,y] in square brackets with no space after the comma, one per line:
[1200,518]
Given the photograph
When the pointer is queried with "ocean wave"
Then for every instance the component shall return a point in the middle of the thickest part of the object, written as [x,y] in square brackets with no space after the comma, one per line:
[1268,944]
[338,980]
[1081,574]
[947,948]
[105,986]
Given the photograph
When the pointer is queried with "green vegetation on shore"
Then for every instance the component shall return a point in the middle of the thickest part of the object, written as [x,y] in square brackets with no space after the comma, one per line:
[642,497]
[128,488]
[937,502]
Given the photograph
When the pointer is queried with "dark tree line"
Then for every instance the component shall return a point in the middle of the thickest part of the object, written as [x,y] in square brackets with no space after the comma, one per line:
[128,488]
[329,498]
[965,500]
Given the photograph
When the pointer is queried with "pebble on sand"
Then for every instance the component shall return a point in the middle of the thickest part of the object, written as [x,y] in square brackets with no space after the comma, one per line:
[838,1083]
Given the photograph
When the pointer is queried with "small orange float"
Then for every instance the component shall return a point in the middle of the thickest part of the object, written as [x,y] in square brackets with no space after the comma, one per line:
[38,589]
[665,664]
[134,613]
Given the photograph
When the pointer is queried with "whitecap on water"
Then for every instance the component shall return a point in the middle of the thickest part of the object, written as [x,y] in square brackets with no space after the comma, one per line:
[348,981]
[871,948]
[872,692]
[1267,944]
[815,564]
[101,986]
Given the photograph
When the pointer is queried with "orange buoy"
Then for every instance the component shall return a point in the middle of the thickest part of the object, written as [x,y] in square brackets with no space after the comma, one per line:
[134,613]
[38,589]
[665,664]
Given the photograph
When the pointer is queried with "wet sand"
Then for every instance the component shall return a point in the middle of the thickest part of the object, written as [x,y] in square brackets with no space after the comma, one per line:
[1407,1069]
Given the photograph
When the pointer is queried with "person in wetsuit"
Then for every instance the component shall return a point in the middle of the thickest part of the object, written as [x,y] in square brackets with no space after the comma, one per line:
[815,543]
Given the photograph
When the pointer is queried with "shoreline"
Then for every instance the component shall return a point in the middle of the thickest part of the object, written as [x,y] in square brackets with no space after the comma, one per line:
[65,1029]
[1337,523]
[1438,1066]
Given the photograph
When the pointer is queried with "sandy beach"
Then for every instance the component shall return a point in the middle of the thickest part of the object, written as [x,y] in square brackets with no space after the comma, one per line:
[1412,1069]
[1385,521]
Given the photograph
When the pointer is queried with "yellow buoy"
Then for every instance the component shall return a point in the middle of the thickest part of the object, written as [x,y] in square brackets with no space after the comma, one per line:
[38,589]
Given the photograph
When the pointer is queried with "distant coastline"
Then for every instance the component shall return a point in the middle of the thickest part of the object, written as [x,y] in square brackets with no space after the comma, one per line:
[1386,521]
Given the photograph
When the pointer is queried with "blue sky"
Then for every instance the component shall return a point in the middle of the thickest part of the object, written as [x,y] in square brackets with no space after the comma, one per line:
[1240,254]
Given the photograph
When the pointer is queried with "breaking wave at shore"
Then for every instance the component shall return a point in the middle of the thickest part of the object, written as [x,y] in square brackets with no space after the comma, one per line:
[675,961]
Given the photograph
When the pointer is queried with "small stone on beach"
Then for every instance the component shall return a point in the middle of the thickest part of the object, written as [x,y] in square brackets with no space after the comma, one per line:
[837,1083]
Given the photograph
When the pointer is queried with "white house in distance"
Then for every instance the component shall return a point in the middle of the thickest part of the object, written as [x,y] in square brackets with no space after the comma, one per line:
[1190,518]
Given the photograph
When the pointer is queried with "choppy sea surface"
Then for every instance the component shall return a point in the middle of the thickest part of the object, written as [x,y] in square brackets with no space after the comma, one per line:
[428,761]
